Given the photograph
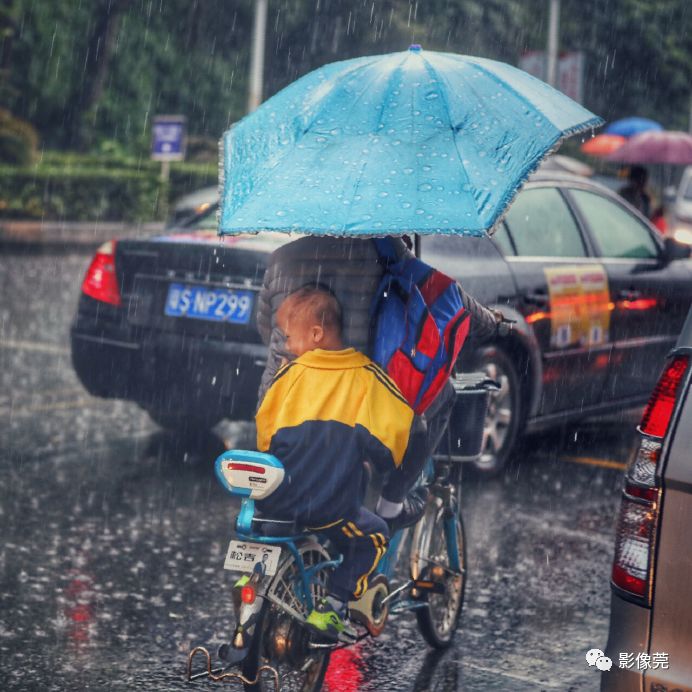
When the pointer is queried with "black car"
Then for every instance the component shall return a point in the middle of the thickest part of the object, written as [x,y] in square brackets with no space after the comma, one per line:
[597,294]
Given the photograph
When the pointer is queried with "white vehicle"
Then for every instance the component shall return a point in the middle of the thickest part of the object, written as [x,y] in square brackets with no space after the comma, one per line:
[681,213]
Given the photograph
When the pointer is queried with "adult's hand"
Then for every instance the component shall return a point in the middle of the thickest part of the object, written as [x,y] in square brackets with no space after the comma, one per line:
[504,326]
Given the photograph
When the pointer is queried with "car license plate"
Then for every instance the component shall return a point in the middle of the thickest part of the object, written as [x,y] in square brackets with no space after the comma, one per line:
[204,303]
[242,556]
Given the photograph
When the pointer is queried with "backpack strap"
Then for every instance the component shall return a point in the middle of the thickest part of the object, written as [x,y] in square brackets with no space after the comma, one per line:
[386,251]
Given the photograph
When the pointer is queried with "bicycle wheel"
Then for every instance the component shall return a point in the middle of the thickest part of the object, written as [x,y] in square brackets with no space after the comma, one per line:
[280,640]
[430,560]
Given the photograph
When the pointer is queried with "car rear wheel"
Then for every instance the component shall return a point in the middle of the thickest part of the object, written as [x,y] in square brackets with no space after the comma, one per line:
[502,421]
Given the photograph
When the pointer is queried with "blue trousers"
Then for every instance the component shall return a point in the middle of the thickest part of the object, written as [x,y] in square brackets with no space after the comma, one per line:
[362,540]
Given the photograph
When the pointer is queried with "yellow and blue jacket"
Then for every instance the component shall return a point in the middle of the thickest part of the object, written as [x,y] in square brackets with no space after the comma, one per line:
[324,414]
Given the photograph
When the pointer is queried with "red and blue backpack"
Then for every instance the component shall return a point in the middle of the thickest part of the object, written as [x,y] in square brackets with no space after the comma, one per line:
[419,324]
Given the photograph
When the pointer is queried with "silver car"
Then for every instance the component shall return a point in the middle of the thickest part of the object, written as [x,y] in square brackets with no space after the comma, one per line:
[650,638]
[681,212]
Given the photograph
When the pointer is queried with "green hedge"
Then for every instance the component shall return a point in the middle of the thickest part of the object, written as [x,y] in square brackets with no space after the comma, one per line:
[82,188]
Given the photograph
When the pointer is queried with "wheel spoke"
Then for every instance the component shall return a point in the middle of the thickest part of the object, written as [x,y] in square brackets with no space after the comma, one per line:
[495,438]
[504,387]
[503,416]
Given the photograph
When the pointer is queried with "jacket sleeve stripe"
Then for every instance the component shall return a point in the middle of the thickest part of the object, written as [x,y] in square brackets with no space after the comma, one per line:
[392,388]
[386,376]
[282,371]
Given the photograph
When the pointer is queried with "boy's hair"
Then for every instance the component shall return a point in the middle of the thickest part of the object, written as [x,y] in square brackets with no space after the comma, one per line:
[316,303]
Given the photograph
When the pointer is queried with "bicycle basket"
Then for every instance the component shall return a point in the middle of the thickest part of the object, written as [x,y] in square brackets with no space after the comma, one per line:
[464,440]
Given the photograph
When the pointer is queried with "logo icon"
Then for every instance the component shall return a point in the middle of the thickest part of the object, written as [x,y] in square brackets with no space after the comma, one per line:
[595,657]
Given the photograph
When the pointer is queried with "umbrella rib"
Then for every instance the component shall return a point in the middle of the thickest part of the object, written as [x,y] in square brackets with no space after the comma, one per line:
[261,180]
[438,79]
[596,121]
[352,72]
[532,165]
[395,74]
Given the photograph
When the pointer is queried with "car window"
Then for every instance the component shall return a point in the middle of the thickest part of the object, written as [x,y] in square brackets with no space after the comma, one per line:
[502,240]
[542,225]
[617,232]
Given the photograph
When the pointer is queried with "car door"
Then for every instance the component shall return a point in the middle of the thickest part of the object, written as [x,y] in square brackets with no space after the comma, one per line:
[650,297]
[563,295]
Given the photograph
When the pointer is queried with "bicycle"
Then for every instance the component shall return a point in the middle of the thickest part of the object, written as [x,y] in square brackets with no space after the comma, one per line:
[284,571]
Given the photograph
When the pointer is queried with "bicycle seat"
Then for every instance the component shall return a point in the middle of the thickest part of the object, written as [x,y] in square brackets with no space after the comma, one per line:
[252,475]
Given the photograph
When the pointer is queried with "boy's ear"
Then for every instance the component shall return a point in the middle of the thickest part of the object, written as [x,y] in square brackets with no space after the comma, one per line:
[317,333]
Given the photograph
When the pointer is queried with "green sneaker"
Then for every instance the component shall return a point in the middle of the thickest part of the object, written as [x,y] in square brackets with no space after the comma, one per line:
[328,625]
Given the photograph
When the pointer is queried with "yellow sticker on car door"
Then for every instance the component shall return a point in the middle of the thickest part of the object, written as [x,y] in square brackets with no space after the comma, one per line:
[580,305]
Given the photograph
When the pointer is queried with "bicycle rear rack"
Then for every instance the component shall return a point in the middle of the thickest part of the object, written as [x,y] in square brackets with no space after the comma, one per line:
[217,675]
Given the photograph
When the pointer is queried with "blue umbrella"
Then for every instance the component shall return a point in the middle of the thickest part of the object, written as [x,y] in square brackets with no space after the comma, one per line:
[628,127]
[411,142]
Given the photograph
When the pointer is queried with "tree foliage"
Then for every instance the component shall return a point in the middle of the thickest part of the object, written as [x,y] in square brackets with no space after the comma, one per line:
[86,73]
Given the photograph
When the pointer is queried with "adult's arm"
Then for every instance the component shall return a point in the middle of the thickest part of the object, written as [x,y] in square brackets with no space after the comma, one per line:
[485,324]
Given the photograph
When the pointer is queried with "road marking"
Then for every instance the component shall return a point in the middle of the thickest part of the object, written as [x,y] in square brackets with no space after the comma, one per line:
[511,676]
[593,461]
[33,346]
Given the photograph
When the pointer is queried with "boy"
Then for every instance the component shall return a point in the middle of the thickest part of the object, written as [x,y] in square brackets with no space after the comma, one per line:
[323,415]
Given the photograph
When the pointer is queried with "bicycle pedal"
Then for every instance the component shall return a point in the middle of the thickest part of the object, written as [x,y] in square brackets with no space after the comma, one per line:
[405,605]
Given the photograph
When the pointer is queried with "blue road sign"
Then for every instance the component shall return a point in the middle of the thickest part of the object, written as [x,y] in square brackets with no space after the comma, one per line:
[168,138]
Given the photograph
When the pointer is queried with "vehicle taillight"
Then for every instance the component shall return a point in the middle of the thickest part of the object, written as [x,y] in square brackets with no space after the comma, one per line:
[635,535]
[100,281]
[659,410]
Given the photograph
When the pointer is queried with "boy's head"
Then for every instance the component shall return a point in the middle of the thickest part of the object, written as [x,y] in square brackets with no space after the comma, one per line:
[310,318]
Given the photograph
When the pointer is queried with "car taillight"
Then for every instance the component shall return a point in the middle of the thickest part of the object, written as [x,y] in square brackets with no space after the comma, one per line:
[635,535]
[659,410]
[100,281]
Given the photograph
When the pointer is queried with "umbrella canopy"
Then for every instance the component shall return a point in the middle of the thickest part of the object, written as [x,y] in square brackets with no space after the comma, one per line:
[417,142]
[668,146]
[602,145]
[628,127]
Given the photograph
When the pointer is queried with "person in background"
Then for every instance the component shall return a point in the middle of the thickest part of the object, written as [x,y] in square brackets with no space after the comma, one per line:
[635,190]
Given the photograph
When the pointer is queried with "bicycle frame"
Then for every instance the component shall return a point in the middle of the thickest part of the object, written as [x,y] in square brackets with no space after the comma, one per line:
[249,475]
[386,566]
[291,542]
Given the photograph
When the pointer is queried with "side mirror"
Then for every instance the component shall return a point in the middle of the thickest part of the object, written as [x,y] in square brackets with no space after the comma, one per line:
[673,250]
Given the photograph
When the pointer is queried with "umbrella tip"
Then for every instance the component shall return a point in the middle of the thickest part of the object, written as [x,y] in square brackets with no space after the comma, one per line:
[415,48]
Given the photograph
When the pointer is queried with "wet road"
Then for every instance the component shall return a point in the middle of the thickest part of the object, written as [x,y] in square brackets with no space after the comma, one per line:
[114,535]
